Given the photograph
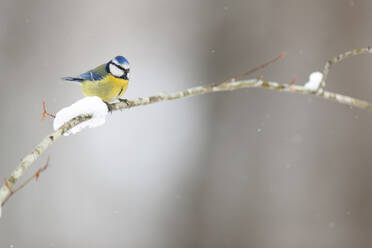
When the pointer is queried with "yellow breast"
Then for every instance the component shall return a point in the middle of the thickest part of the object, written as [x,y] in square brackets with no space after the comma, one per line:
[108,89]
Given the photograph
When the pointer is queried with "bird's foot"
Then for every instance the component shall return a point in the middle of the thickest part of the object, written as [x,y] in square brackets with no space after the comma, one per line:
[124,100]
[109,107]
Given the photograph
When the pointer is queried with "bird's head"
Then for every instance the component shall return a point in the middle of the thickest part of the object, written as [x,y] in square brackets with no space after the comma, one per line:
[118,67]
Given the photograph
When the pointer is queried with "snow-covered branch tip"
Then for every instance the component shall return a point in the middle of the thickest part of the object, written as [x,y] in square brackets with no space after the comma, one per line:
[92,111]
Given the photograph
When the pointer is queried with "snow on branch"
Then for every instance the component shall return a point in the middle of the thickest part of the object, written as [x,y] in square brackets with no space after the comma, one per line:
[91,112]
[93,106]
[315,79]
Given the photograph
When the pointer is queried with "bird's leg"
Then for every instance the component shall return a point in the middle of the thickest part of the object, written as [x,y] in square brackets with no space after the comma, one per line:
[124,100]
[109,107]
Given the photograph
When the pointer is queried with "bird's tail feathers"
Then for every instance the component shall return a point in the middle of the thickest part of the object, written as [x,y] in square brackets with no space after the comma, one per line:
[74,79]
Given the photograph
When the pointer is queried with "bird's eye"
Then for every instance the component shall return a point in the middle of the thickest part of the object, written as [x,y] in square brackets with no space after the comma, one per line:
[114,70]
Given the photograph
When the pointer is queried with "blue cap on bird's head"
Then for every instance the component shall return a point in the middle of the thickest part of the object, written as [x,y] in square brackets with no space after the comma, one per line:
[120,60]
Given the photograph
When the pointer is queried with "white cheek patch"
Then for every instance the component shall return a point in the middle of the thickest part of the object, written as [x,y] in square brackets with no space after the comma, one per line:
[116,71]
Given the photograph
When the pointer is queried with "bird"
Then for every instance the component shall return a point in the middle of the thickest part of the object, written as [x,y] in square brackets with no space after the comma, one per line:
[108,81]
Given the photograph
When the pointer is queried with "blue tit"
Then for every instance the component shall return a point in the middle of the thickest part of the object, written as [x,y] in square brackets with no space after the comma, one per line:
[108,81]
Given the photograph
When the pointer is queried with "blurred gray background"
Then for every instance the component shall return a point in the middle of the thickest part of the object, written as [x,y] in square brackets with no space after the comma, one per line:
[250,168]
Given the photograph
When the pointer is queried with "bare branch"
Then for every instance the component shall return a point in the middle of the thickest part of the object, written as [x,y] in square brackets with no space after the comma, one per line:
[228,85]
[29,159]
[251,83]
[36,176]
[338,59]
[258,68]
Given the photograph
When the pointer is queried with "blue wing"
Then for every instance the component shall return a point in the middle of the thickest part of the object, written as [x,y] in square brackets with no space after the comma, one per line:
[92,75]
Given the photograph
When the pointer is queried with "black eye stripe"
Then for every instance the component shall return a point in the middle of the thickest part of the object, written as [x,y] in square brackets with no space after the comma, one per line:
[118,67]
[121,68]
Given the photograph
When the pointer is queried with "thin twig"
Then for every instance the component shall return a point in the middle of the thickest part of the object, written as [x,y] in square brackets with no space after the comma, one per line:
[293,81]
[258,68]
[338,59]
[36,176]
[45,113]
